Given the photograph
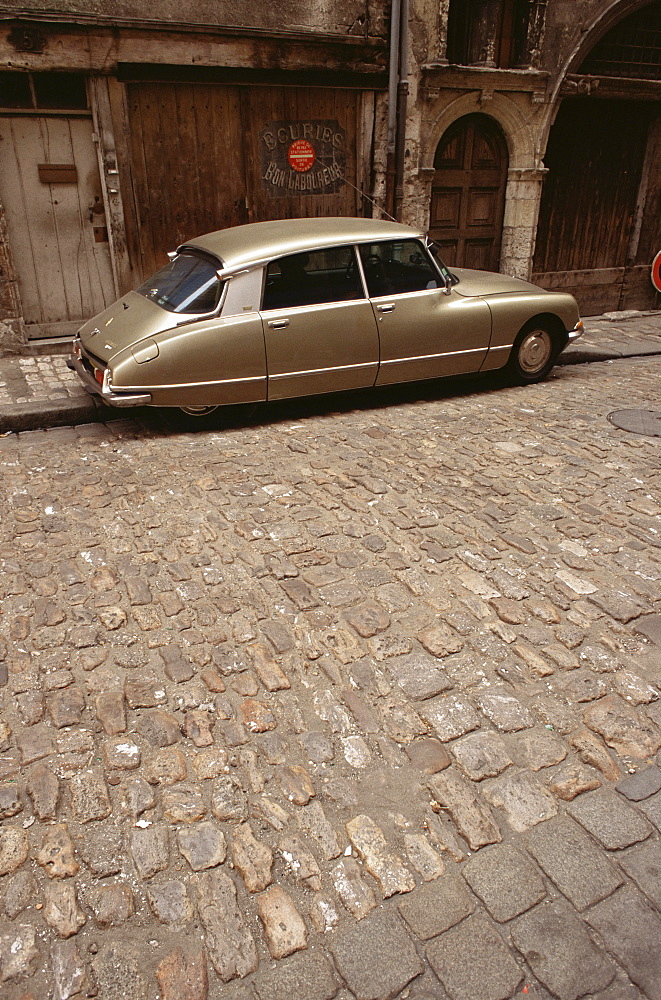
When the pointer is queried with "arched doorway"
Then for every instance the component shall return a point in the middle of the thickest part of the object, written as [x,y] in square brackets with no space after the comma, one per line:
[468,192]
[600,214]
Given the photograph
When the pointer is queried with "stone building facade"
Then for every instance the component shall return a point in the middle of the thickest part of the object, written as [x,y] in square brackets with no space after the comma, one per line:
[563,98]
[526,138]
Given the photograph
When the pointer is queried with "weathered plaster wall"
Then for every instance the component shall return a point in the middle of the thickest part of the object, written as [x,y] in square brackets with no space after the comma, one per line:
[100,49]
[361,17]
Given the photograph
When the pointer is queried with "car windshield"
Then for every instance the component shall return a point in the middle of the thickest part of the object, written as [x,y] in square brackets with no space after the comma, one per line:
[188,284]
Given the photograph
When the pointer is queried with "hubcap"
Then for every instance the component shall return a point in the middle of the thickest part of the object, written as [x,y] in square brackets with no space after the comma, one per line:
[534,351]
[198,411]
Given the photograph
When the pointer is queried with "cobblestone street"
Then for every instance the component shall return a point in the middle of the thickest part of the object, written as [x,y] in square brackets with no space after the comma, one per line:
[351,698]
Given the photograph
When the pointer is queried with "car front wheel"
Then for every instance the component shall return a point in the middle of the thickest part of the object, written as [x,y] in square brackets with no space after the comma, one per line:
[534,353]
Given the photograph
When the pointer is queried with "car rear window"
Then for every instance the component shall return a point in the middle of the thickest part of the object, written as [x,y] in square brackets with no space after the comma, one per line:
[188,284]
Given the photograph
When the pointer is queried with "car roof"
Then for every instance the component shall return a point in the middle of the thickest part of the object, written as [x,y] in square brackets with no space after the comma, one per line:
[261,241]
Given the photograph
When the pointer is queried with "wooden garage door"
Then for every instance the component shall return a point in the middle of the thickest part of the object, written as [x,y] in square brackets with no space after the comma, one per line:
[207,156]
[468,193]
[587,217]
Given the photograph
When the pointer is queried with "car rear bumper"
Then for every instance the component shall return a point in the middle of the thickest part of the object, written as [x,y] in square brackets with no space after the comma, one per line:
[577,332]
[103,391]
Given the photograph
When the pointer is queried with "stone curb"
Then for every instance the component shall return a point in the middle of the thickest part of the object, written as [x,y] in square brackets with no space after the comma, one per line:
[580,354]
[50,413]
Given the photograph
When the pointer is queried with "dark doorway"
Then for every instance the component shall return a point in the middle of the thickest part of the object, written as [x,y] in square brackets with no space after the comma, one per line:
[590,202]
[468,193]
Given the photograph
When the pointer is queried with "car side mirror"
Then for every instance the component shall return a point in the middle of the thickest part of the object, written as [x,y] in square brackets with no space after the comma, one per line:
[448,284]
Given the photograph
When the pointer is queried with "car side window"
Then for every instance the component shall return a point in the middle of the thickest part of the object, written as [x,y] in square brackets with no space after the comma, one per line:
[396,267]
[304,279]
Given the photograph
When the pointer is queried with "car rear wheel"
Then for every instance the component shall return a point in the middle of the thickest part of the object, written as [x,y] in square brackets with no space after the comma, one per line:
[534,353]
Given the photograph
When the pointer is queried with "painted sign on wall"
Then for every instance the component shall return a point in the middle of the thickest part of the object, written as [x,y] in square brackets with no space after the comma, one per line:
[303,157]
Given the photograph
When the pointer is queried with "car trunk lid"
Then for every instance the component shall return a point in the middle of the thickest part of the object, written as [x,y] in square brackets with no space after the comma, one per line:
[124,323]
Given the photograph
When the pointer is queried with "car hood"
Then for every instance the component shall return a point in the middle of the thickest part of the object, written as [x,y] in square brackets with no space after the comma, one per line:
[124,323]
[489,283]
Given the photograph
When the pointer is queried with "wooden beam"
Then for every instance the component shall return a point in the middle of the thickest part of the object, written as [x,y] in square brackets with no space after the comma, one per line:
[611,87]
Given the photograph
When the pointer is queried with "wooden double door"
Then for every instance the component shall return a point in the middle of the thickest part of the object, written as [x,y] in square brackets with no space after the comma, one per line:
[468,193]
[206,156]
[600,214]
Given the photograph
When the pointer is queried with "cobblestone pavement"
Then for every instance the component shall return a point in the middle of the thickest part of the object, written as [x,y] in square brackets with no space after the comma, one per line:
[353,704]
[25,380]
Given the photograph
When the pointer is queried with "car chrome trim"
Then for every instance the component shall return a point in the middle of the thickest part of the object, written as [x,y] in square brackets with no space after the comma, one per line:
[107,394]
[577,332]
[430,357]
[323,371]
[501,347]
[195,385]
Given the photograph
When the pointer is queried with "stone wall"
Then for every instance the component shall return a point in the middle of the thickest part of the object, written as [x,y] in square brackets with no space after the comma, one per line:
[12,328]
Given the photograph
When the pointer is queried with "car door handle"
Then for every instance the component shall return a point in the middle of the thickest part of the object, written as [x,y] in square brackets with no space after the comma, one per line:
[278,324]
[387,307]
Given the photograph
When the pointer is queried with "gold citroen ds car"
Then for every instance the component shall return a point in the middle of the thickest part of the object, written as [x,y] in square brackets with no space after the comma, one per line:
[273,310]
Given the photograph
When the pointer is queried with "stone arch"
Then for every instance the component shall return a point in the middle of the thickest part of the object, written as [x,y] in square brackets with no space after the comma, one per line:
[616,12]
[523,189]
[517,129]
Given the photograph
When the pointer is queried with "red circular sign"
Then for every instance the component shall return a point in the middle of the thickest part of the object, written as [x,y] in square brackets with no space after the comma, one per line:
[301,155]
[656,272]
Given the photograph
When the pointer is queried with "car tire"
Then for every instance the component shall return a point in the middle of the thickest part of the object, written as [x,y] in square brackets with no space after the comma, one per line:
[192,419]
[214,418]
[534,353]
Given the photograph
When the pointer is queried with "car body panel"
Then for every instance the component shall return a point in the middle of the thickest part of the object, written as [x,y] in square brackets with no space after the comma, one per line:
[219,360]
[427,334]
[325,347]
[510,312]
[139,350]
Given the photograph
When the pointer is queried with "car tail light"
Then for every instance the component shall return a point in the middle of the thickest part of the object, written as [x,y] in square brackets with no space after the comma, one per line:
[98,375]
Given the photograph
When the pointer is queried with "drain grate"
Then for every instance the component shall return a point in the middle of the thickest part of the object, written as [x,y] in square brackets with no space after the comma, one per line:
[637,421]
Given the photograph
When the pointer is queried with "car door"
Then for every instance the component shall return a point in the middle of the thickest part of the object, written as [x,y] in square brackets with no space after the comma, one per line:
[319,328]
[423,331]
